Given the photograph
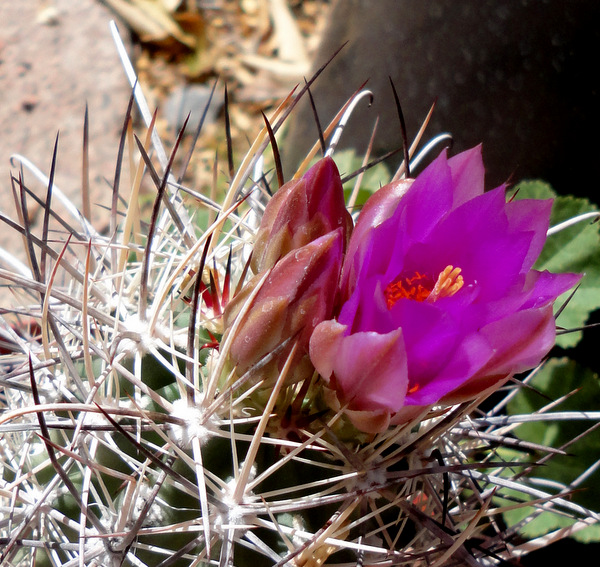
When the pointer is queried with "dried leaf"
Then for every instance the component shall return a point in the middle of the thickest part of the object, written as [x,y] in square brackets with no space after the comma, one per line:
[290,43]
[151,21]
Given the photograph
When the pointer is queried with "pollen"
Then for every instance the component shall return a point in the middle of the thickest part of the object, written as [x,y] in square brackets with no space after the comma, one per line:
[420,287]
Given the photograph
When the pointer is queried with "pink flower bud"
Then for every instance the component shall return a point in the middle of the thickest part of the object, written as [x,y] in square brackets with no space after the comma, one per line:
[301,211]
[296,296]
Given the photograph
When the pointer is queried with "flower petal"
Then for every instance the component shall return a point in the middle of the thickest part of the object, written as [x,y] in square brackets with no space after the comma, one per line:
[367,370]
[549,286]
[441,355]
[533,216]
[467,175]
[324,344]
[379,207]
[520,340]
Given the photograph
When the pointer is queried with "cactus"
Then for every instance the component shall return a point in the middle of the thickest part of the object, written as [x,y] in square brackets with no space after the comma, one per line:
[138,428]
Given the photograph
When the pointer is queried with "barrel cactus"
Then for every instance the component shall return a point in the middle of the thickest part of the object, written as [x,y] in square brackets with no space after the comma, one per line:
[218,382]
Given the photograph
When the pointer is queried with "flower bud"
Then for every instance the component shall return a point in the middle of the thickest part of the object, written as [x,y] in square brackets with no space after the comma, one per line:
[301,211]
[296,296]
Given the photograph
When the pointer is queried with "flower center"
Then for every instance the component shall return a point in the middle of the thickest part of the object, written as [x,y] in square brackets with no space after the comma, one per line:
[419,287]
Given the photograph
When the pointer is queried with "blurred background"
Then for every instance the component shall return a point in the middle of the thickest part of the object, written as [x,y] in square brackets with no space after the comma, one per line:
[520,77]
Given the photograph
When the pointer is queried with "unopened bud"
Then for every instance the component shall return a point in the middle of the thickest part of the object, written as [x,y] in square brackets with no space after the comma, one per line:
[296,296]
[300,212]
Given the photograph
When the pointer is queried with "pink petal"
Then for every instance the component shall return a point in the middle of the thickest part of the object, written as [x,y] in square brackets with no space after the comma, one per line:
[533,216]
[368,370]
[549,286]
[520,340]
[324,345]
[379,207]
[467,175]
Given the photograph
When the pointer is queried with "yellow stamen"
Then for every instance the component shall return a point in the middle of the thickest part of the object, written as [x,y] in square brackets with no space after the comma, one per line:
[448,283]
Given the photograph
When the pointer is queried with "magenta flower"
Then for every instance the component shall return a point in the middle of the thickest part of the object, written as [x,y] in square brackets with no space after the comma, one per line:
[439,298]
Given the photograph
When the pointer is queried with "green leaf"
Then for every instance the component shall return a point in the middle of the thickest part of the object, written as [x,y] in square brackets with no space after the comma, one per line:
[588,535]
[557,379]
[574,249]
